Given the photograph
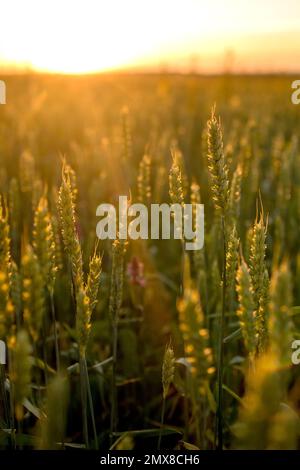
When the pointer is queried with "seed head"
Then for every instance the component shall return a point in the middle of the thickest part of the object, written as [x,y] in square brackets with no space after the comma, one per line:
[216,163]
[246,310]
[168,369]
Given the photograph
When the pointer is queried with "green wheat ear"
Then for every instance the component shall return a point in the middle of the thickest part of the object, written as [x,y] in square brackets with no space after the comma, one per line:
[216,163]
[176,189]
[234,198]
[44,244]
[66,206]
[83,319]
[168,369]
[92,285]
[260,278]
[232,256]
[257,257]
[246,309]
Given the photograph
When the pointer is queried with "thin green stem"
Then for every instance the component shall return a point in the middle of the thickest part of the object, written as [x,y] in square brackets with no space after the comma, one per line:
[83,390]
[161,422]
[91,404]
[55,332]
[219,427]
[114,407]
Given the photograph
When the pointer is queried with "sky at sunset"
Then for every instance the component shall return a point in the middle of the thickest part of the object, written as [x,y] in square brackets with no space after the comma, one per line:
[76,36]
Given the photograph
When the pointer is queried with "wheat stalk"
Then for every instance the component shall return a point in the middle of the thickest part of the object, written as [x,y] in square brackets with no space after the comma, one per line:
[220,184]
[168,369]
[66,206]
[115,303]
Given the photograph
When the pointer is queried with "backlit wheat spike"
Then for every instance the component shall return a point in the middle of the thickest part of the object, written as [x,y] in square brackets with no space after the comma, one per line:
[260,278]
[4,239]
[246,309]
[257,257]
[232,256]
[144,180]
[262,314]
[20,371]
[235,196]
[216,163]
[178,158]
[32,294]
[83,319]
[43,243]
[26,172]
[168,369]
[70,175]
[68,225]
[280,321]
[7,313]
[175,183]
[92,285]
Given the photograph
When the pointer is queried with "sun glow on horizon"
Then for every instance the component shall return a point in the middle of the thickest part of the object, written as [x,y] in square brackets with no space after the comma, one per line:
[76,36]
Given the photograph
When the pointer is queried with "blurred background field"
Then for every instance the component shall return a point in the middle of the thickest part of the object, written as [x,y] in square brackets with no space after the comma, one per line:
[116,133]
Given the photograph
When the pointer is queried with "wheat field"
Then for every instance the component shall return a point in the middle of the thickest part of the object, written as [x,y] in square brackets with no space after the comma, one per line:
[141,344]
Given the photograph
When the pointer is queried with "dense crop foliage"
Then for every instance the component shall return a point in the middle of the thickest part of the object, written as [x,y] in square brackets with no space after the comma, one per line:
[139,344]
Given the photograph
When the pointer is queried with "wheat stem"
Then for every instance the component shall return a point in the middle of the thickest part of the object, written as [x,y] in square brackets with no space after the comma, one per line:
[53,316]
[83,390]
[89,394]
[161,422]
[219,433]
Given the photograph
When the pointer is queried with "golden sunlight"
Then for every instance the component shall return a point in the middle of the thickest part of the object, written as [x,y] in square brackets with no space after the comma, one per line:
[76,36]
